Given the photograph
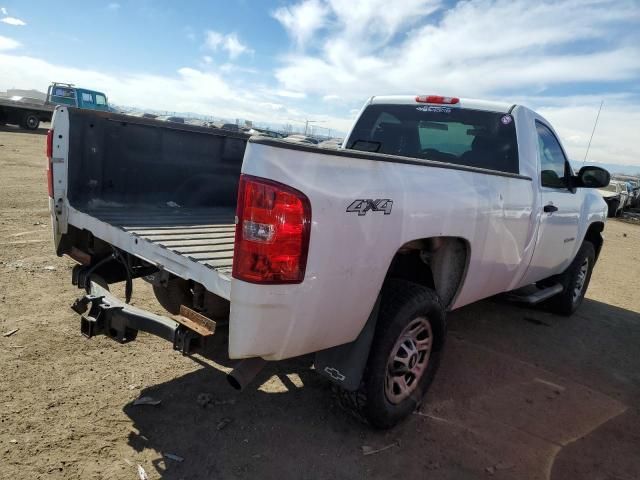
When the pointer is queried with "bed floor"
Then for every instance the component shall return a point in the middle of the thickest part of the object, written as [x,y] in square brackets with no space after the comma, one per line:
[204,235]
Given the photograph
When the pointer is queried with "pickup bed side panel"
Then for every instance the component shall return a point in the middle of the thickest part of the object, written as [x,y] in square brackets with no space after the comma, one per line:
[349,254]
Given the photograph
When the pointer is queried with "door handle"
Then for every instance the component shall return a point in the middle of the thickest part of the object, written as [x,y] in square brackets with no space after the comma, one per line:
[550,208]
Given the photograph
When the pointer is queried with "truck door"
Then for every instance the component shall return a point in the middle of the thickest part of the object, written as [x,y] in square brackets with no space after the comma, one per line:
[86,100]
[560,215]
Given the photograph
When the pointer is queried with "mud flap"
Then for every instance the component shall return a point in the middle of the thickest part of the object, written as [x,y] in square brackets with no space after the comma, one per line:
[345,364]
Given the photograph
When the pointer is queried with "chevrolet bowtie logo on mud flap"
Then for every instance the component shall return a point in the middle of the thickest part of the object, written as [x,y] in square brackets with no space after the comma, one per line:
[334,373]
[378,205]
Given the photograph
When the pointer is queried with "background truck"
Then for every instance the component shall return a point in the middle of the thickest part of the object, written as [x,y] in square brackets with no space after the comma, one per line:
[29,112]
[354,254]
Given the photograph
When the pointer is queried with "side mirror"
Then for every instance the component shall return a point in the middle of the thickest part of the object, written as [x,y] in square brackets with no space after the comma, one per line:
[592,177]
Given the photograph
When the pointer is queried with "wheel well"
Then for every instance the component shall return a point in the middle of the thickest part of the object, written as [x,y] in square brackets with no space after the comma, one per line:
[594,235]
[439,263]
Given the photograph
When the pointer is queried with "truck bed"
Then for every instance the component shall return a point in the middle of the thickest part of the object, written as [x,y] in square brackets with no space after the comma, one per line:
[26,103]
[163,192]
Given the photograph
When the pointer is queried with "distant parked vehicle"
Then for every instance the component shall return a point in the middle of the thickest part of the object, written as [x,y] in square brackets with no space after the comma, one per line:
[332,144]
[170,118]
[627,194]
[143,115]
[265,133]
[612,195]
[634,193]
[29,112]
[298,138]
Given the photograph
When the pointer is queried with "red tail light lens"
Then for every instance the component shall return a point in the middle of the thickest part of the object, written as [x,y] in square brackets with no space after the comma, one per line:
[272,232]
[49,151]
[437,99]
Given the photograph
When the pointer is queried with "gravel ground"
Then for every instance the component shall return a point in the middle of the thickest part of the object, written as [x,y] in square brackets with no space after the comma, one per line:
[521,393]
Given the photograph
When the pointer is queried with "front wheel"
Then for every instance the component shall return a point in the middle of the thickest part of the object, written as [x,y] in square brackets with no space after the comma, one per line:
[404,356]
[575,281]
[613,208]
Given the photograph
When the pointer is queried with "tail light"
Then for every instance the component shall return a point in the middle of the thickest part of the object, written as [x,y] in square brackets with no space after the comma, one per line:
[49,151]
[272,232]
[437,99]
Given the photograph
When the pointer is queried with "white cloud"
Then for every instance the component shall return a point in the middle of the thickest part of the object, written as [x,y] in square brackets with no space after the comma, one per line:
[302,20]
[481,48]
[476,49]
[289,94]
[233,45]
[615,138]
[3,11]
[13,21]
[207,59]
[7,43]
[234,68]
[188,90]
[114,6]
[229,42]
[213,40]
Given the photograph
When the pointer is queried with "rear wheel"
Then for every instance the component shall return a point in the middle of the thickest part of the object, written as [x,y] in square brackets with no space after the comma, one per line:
[613,208]
[575,281]
[404,356]
[30,121]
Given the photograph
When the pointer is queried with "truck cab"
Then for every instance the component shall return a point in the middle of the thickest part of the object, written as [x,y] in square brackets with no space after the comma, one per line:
[68,94]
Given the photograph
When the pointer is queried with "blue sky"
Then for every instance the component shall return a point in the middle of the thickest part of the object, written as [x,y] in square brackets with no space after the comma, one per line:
[286,61]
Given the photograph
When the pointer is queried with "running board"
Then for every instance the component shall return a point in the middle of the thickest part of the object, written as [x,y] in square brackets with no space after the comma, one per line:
[525,295]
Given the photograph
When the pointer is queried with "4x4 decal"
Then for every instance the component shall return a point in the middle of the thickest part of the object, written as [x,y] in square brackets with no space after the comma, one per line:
[378,205]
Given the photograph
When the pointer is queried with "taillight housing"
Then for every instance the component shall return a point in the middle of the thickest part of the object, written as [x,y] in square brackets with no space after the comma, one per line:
[49,151]
[273,224]
[437,99]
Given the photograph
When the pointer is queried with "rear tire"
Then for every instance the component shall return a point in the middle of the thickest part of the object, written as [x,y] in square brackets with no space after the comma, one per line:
[30,121]
[176,293]
[575,281]
[613,208]
[404,355]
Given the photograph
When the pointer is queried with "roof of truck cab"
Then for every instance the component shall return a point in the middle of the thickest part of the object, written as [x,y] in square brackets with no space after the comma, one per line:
[471,103]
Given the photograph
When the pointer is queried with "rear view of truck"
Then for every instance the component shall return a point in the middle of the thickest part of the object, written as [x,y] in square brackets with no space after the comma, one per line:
[354,254]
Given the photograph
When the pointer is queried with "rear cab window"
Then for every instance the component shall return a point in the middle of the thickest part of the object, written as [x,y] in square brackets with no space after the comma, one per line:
[64,95]
[473,138]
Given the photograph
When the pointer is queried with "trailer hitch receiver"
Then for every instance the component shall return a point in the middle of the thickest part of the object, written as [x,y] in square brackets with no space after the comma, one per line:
[103,314]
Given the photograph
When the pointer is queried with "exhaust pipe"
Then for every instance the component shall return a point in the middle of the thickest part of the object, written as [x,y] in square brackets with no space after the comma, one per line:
[245,371]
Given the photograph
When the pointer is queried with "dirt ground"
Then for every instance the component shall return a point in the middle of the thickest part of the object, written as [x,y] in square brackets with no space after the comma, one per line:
[521,394]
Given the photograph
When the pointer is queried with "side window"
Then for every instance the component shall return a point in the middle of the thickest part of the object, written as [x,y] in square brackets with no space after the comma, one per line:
[552,160]
[87,98]
[100,100]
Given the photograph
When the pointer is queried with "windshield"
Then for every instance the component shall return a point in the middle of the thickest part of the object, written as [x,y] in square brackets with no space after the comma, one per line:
[465,137]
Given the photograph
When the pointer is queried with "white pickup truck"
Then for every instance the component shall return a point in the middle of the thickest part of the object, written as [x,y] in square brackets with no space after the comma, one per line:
[354,254]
